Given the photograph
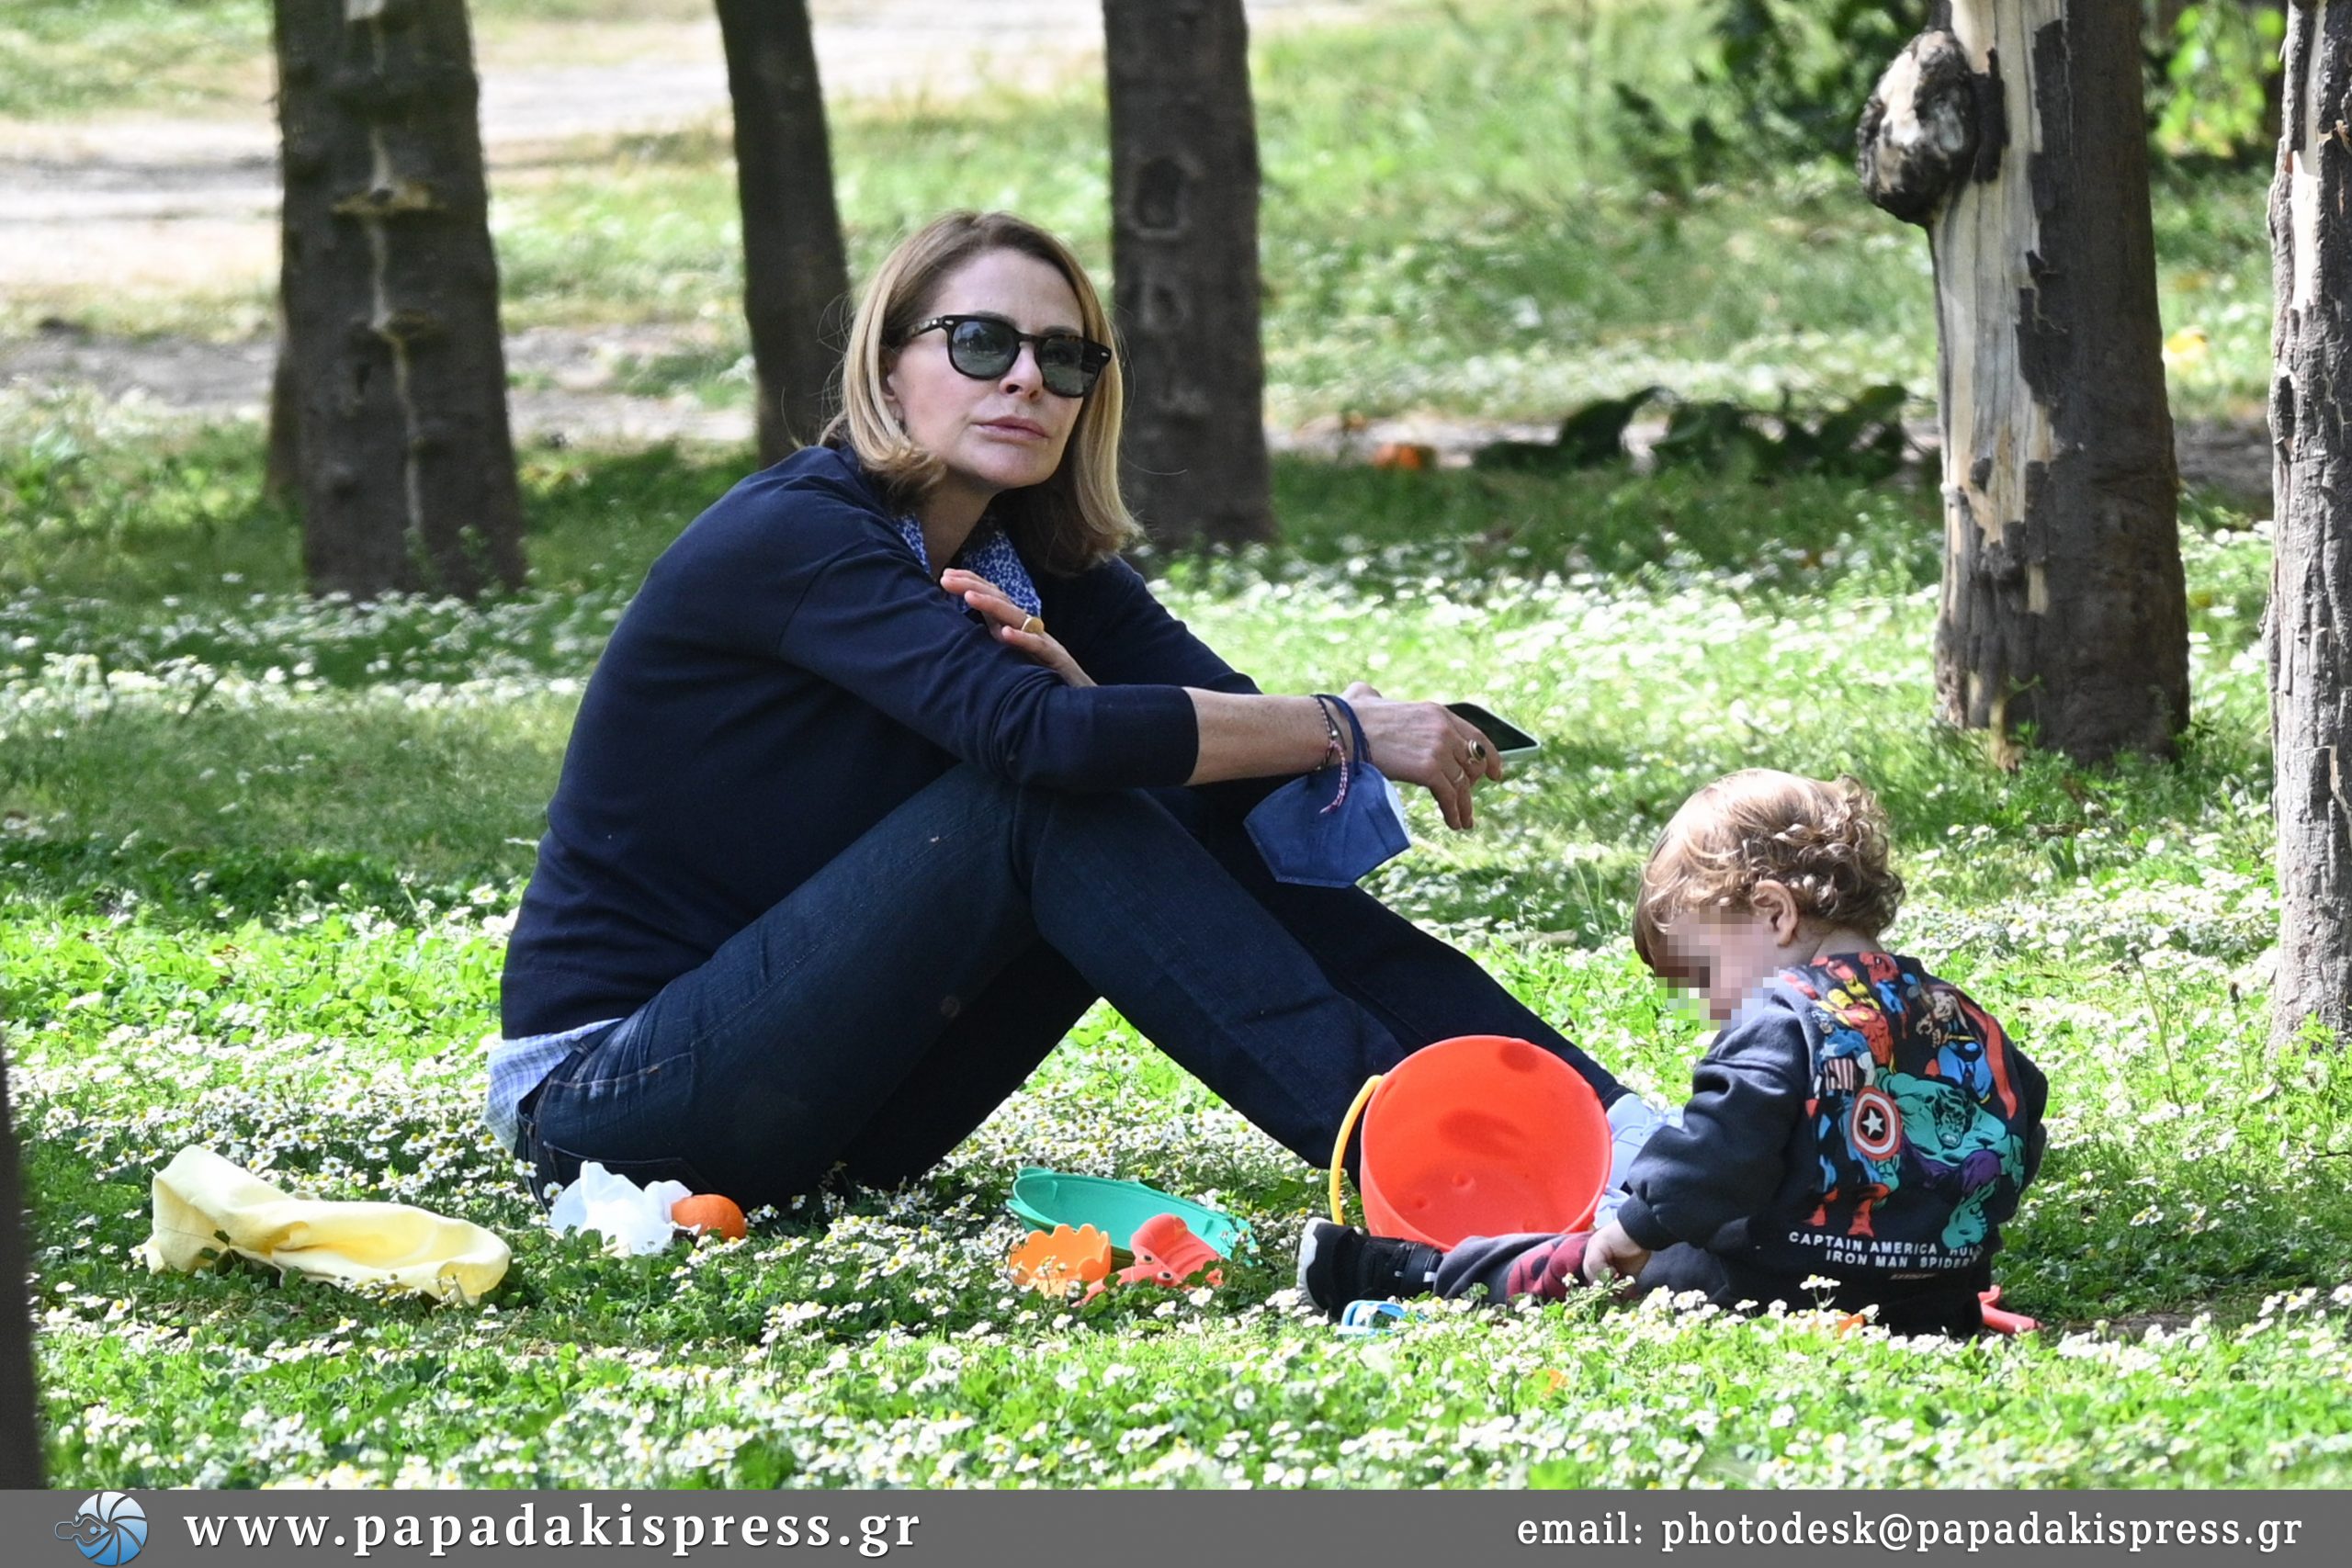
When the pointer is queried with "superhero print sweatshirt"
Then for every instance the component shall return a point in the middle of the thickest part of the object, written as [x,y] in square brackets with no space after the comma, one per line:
[1859,1118]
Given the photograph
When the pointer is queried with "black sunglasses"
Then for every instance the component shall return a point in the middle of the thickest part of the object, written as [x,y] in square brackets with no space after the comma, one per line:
[984,347]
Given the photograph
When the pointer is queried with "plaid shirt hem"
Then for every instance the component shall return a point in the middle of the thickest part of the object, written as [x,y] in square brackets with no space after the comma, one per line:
[519,1066]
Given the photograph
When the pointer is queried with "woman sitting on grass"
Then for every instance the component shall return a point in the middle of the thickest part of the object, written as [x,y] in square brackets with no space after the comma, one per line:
[846,841]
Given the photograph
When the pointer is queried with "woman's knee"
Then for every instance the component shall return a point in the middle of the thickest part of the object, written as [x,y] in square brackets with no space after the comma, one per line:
[1098,817]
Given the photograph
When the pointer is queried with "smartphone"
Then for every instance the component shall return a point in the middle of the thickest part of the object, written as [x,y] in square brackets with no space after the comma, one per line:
[1512,743]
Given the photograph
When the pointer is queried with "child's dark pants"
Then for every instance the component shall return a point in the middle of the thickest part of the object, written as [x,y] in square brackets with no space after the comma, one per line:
[1550,1267]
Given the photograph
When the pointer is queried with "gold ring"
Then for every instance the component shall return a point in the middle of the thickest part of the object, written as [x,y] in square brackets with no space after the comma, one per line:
[1034,626]
[1477,751]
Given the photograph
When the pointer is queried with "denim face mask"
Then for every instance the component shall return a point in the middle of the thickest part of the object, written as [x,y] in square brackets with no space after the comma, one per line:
[1330,827]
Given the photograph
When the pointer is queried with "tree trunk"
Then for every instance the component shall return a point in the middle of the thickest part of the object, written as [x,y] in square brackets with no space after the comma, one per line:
[1184,251]
[281,474]
[2311,587]
[2014,130]
[20,1401]
[796,279]
[391,291]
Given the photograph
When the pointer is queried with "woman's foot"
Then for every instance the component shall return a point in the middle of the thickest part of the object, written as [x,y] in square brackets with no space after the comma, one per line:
[1632,1121]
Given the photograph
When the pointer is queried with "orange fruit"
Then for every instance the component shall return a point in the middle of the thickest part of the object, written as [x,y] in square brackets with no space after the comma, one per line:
[709,1211]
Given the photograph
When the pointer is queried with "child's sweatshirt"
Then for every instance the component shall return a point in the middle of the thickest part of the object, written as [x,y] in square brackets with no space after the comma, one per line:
[1859,1119]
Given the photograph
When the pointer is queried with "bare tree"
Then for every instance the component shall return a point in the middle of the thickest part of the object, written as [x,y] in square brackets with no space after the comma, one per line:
[2310,624]
[2014,131]
[281,474]
[391,293]
[19,1394]
[1185,253]
[796,277]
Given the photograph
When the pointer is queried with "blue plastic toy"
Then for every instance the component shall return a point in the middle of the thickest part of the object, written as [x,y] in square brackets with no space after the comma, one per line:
[1050,1198]
[1364,1319]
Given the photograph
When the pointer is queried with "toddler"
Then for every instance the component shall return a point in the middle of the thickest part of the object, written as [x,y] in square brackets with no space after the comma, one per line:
[1857,1119]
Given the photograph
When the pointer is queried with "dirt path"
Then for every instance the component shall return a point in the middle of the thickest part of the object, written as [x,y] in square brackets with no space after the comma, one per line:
[154,204]
[127,205]
[116,205]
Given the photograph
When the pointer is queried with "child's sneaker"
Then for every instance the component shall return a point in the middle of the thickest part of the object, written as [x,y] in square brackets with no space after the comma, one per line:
[1338,1264]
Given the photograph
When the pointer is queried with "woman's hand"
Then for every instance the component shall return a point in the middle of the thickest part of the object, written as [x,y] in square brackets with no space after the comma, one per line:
[1426,744]
[1011,624]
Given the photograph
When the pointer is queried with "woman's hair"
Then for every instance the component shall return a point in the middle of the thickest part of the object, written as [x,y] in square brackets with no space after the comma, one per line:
[1065,525]
[1826,841]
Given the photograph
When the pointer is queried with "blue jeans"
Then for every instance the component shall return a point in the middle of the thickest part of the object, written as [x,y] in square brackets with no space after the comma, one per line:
[873,1018]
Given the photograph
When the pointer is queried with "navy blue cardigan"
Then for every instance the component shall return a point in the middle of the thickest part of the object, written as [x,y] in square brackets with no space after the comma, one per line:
[788,676]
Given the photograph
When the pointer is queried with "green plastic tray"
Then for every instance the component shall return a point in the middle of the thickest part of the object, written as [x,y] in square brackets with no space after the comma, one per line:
[1050,1198]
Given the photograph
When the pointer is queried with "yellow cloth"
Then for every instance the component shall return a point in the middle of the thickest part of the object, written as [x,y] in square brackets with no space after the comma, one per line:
[200,1197]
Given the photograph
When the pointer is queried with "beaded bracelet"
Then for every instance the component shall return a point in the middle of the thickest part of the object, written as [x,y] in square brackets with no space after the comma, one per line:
[1334,753]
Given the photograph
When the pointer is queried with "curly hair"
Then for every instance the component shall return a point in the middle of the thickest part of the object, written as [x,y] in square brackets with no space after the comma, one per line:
[1825,840]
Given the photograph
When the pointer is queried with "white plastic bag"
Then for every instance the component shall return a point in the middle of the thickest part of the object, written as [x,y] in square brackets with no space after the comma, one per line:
[633,1219]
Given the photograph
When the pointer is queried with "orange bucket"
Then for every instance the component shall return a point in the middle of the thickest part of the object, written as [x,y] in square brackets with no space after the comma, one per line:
[1477,1135]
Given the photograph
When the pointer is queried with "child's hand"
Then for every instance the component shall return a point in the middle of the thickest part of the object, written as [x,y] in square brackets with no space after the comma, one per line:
[1613,1255]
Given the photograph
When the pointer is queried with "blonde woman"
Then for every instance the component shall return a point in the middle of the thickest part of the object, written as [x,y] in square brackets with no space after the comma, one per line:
[894,766]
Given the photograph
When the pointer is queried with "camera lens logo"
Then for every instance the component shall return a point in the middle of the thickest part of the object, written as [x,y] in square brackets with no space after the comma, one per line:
[108,1527]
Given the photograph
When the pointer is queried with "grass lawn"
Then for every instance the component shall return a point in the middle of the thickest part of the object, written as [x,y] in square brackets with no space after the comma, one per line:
[258,855]
[261,854]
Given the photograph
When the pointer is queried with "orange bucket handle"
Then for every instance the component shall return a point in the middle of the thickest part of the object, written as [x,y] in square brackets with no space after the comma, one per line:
[1339,1148]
